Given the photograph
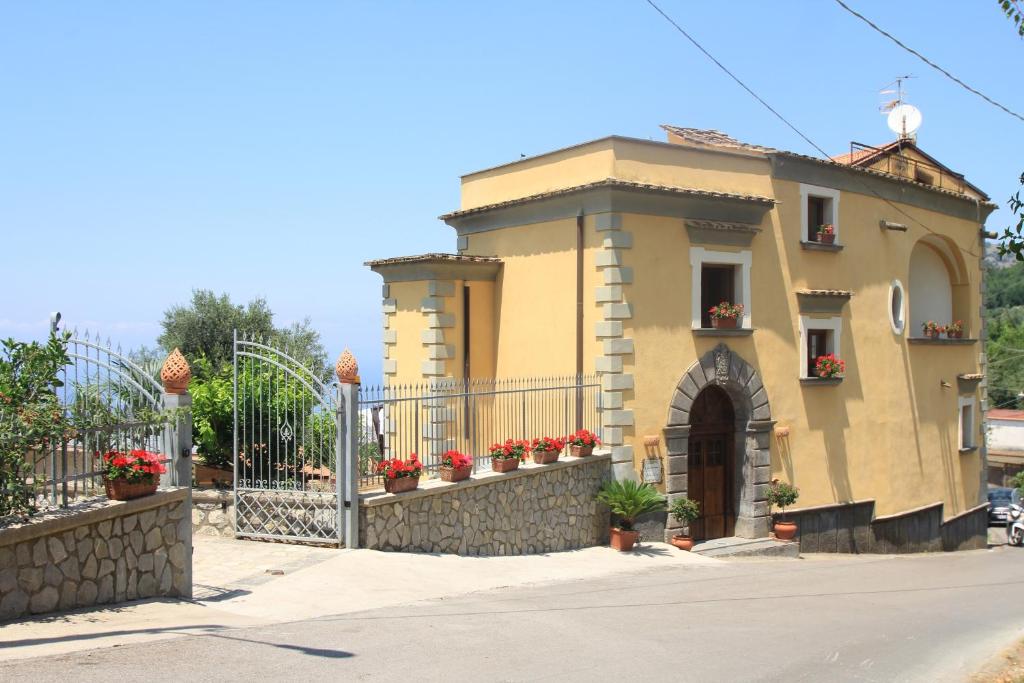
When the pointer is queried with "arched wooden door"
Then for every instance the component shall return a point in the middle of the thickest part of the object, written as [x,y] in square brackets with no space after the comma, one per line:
[710,470]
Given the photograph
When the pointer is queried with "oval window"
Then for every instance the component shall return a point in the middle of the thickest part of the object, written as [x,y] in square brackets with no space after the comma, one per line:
[897,307]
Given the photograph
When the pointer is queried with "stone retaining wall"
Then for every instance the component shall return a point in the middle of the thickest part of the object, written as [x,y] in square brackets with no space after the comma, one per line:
[536,509]
[97,552]
[853,528]
[213,513]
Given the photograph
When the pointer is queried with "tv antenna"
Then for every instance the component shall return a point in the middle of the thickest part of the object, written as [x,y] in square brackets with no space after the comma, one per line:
[903,119]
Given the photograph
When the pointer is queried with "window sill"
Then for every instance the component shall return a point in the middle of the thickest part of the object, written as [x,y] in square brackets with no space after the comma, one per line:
[715,332]
[818,246]
[969,449]
[820,381]
[941,341]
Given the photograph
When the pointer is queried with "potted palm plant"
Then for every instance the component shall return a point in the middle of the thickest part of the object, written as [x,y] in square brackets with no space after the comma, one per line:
[627,501]
[725,315]
[783,495]
[685,511]
[545,450]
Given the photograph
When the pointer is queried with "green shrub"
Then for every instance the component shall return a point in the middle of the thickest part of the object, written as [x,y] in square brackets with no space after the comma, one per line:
[685,510]
[782,495]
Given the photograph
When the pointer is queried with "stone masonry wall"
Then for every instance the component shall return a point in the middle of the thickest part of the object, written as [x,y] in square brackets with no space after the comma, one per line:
[97,553]
[536,509]
[213,513]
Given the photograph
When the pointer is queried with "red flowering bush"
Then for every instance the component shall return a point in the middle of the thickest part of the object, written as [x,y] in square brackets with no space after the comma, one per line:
[396,468]
[138,466]
[546,444]
[456,460]
[829,366]
[583,437]
[510,449]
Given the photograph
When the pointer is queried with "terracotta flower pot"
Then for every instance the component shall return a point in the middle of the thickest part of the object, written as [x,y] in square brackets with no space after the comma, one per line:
[122,489]
[581,451]
[401,484]
[954,335]
[723,323]
[826,239]
[682,542]
[623,540]
[455,474]
[545,457]
[932,334]
[785,531]
[504,464]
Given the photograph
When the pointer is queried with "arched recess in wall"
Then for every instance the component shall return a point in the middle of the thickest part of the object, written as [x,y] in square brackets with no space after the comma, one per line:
[938,283]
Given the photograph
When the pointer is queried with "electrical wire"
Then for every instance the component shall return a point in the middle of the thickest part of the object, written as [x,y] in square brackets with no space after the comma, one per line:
[782,118]
[928,61]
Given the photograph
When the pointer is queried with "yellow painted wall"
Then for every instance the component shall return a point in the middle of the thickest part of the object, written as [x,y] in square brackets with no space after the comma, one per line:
[535,297]
[408,323]
[852,441]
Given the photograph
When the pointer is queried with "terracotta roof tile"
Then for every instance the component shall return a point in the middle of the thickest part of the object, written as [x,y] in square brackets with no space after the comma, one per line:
[1004,414]
[712,138]
[433,258]
[613,183]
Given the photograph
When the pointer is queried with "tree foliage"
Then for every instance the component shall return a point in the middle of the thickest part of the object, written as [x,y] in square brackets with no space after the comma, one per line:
[1011,242]
[1013,12]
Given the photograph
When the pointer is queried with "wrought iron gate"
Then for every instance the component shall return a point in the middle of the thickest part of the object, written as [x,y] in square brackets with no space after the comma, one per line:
[289,448]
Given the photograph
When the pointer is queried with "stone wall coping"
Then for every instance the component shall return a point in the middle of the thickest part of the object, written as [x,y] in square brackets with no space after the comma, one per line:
[81,514]
[831,506]
[905,513]
[212,496]
[966,513]
[435,487]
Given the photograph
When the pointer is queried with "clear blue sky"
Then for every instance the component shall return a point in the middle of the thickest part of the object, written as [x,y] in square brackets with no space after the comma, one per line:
[269,148]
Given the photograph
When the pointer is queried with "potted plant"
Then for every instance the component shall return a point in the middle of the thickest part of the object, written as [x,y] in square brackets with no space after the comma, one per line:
[581,444]
[931,329]
[505,457]
[131,475]
[828,366]
[685,511]
[725,315]
[628,500]
[545,450]
[783,495]
[400,475]
[955,330]
[826,233]
[455,466]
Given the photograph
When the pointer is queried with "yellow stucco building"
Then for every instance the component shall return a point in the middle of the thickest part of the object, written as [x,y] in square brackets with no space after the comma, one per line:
[617,248]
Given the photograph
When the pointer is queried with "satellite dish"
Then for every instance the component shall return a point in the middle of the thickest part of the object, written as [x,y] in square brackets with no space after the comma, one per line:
[904,120]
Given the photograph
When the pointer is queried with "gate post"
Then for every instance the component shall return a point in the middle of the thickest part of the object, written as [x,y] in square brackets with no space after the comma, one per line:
[175,376]
[347,455]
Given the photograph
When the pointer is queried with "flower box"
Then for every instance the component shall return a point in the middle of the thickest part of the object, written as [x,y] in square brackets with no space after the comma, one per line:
[581,451]
[401,484]
[545,457]
[122,489]
[826,238]
[455,473]
[723,323]
[504,464]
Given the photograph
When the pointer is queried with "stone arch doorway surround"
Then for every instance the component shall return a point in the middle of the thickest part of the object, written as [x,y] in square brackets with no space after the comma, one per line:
[751,471]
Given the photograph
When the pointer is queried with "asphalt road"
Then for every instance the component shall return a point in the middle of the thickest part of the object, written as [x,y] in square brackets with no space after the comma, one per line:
[904,618]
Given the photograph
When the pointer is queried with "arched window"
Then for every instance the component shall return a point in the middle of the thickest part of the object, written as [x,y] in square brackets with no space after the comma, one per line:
[936,284]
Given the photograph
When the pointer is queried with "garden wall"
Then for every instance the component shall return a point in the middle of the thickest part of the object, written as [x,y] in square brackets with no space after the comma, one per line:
[96,553]
[536,509]
[213,513]
[853,528]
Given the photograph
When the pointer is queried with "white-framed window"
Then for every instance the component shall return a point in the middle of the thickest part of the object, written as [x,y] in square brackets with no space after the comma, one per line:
[897,307]
[818,206]
[966,427]
[818,337]
[718,276]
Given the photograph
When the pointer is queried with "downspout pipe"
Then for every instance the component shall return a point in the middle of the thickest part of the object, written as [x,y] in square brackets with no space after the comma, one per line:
[579,318]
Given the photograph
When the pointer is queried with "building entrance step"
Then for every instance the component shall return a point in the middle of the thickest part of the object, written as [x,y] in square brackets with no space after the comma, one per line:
[747,547]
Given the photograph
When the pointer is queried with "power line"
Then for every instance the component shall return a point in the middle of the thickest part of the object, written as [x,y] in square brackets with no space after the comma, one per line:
[927,61]
[782,118]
